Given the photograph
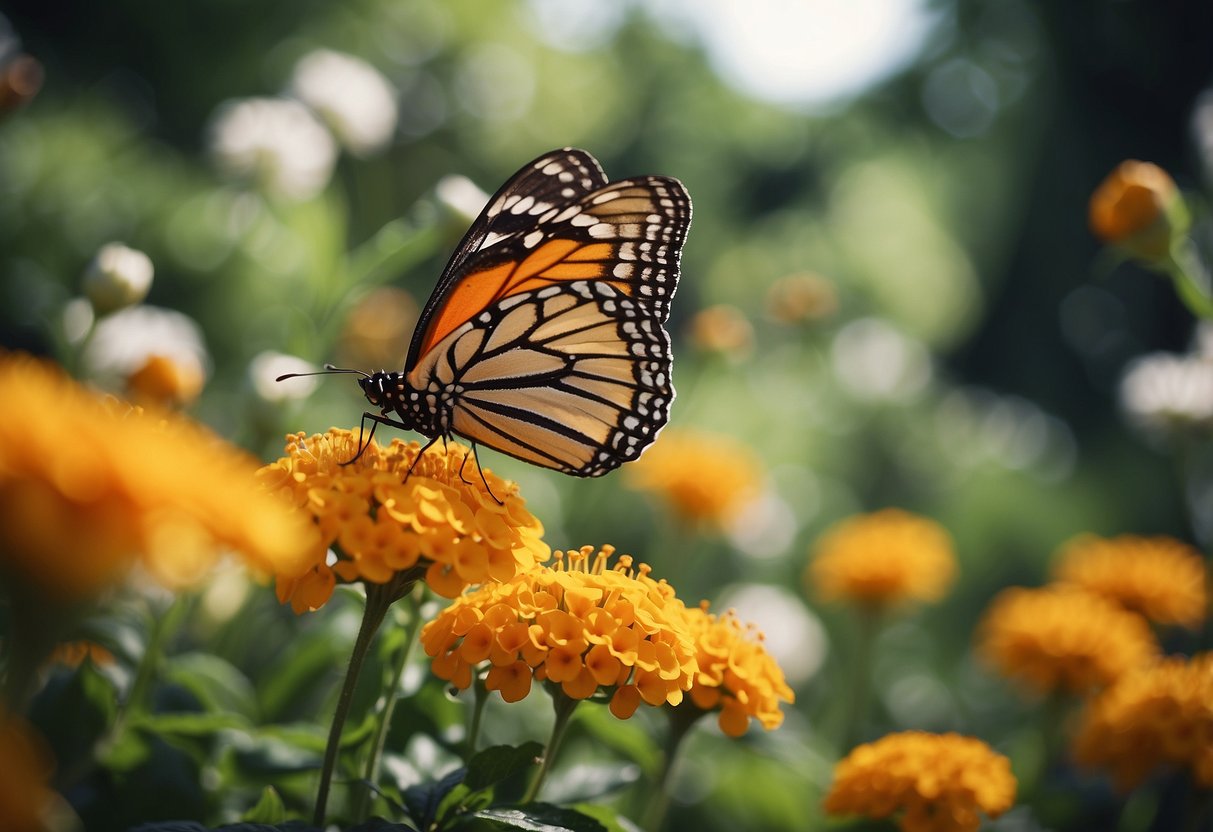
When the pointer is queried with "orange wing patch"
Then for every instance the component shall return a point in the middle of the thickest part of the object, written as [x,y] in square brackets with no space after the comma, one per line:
[555,261]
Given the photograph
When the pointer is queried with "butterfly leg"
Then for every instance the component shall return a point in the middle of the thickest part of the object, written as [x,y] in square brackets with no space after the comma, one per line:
[483,478]
[421,453]
[361,446]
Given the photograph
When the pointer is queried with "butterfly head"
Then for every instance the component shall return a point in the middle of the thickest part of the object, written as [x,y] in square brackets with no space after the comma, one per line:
[376,388]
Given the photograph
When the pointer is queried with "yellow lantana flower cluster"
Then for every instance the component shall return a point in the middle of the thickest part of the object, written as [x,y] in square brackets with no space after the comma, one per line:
[938,782]
[1061,638]
[1160,577]
[1157,716]
[704,477]
[737,676]
[883,558]
[456,524]
[577,624]
[90,486]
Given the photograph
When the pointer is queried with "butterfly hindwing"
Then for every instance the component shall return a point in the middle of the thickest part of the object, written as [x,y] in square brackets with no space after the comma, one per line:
[575,377]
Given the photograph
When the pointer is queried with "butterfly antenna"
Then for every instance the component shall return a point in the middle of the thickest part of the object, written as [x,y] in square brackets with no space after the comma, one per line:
[329,369]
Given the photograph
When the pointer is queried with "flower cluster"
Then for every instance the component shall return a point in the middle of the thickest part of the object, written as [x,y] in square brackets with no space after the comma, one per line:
[1061,638]
[579,624]
[395,509]
[1160,715]
[704,477]
[883,558]
[1159,577]
[88,486]
[939,782]
[736,674]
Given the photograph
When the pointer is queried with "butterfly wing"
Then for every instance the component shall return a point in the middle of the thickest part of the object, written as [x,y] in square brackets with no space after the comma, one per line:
[547,329]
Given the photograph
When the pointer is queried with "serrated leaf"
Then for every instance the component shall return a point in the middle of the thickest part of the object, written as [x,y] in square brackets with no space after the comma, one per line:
[269,809]
[495,764]
[539,817]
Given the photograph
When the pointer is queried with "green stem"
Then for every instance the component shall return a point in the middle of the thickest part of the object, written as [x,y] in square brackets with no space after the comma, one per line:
[869,619]
[681,720]
[377,604]
[1184,265]
[163,628]
[370,772]
[481,696]
[564,707]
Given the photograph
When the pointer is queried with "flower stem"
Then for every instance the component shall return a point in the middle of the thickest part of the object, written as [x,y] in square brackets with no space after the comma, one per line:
[370,772]
[1185,269]
[378,602]
[861,680]
[681,720]
[481,696]
[564,707]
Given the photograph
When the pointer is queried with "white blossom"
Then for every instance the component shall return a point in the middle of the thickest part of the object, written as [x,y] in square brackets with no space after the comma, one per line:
[117,277]
[353,98]
[124,341]
[1164,393]
[265,368]
[276,142]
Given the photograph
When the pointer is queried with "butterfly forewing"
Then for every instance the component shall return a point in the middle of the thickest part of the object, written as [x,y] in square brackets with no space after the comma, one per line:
[544,337]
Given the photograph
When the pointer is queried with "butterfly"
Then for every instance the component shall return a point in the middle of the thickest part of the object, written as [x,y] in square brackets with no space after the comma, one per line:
[543,338]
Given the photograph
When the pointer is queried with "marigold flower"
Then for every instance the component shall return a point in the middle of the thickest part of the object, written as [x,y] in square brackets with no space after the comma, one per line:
[724,330]
[883,558]
[736,674]
[88,487]
[380,520]
[162,382]
[579,624]
[1138,207]
[1159,577]
[705,477]
[801,298]
[1062,638]
[25,796]
[1157,716]
[938,782]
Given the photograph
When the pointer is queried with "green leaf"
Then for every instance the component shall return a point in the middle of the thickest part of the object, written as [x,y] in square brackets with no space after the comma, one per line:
[218,685]
[187,724]
[539,817]
[269,808]
[495,764]
[424,799]
[608,817]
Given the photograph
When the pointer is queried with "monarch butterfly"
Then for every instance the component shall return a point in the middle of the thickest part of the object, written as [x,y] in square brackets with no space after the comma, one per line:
[543,338]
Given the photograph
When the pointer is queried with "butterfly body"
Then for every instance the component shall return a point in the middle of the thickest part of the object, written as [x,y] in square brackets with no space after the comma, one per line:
[543,338]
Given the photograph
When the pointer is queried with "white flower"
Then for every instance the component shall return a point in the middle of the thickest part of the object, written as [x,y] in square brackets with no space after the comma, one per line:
[876,362]
[352,97]
[461,196]
[275,141]
[117,277]
[265,368]
[1164,392]
[123,342]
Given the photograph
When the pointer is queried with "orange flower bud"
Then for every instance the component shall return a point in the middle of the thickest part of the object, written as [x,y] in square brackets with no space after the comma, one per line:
[1138,208]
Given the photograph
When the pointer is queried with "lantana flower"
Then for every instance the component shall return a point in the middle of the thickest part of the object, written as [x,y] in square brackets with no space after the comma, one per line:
[704,477]
[1160,715]
[881,559]
[1063,639]
[581,625]
[936,782]
[736,677]
[1160,577]
[445,521]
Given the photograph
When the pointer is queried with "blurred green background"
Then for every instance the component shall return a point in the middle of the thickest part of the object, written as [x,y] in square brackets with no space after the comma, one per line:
[929,163]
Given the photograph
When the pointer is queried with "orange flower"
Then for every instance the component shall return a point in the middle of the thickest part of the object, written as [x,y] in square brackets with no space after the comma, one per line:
[73,653]
[1159,577]
[163,382]
[938,782]
[801,298]
[1138,207]
[724,330]
[704,477]
[89,487]
[1156,716]
[382,521]
[883,558]
[736,675]
[1061,638]
[577,624]
[25,796]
